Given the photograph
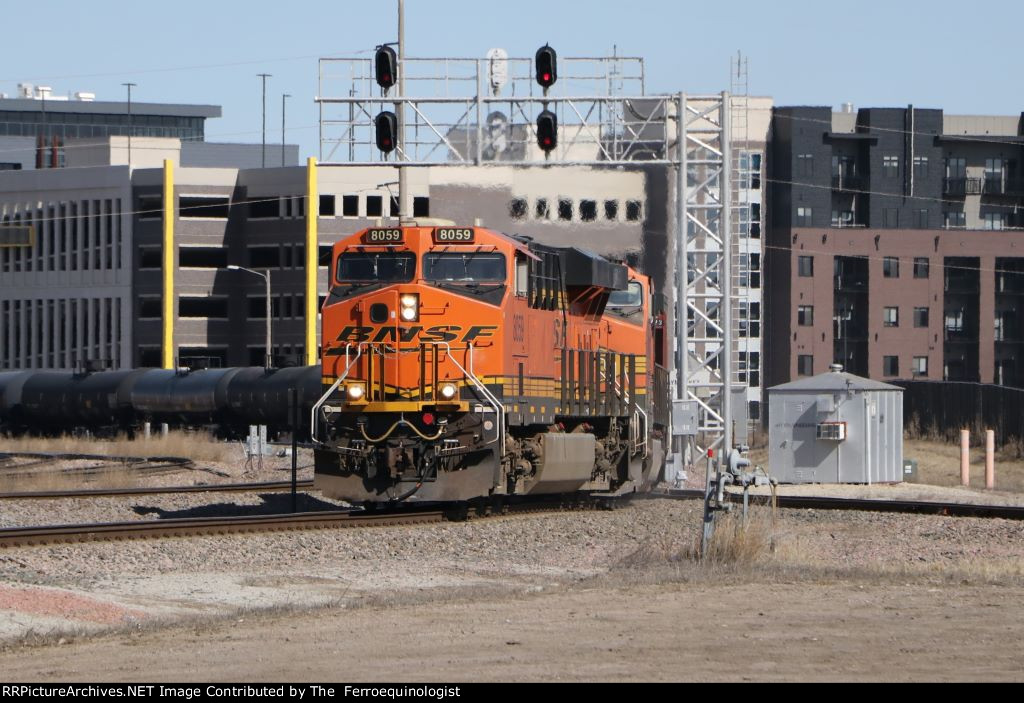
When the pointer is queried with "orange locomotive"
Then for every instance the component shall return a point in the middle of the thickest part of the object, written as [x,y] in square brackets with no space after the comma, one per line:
[462,364]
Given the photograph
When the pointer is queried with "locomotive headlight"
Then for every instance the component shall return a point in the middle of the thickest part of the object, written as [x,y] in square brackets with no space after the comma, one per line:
[356,392]
[448,391]
[410,304]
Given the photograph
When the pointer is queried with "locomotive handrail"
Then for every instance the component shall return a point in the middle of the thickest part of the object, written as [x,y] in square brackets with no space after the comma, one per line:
[488,396]
[323,399]
[636,416]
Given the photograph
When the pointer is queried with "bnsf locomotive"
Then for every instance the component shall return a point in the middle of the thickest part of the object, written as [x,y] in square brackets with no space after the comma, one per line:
[463,364]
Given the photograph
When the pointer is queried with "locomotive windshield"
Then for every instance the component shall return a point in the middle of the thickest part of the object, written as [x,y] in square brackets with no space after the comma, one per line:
[631,297]
[373,267]
[469,267]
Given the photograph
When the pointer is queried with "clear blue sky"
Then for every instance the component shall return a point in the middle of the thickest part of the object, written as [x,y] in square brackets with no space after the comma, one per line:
[963,57]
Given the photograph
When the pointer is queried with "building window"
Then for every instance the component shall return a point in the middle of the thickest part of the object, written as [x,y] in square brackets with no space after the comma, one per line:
[374,206]
[202,257]
[921,267]
[921,219]
[993,220]
[891,365]
[328,203]
[805,165]
[203,207]
[842,218]
[396,209]
[954,219]
[956,168]
[588,210]
[891,267]
[805,266]
[611,210]
[202,308]
[541,210]
[517,209]
[324,254]
[350,206]
[920,317]
[921,366]
[803,217]
[994,170]
[149,258]
[634,211]
[265,257]
[955,321]
[891,218]
[421,207]
[805,315]
[565,210]
[921,167]
[755,220]
[891,317]
[805,365]
[891,166]
[150,308]
[151,207]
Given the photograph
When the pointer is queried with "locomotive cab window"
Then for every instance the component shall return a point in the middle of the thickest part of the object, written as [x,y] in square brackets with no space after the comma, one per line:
[376,267]
[466,268]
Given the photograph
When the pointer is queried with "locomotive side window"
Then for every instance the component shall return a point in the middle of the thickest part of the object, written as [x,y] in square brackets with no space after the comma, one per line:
[522,276]
[470,267]
[382,267]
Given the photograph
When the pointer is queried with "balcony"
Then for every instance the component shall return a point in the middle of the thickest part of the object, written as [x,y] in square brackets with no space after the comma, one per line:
[961,186]
[1002,186]
[847,183]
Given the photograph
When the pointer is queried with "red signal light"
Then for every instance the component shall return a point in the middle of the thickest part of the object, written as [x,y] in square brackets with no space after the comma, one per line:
[429,419]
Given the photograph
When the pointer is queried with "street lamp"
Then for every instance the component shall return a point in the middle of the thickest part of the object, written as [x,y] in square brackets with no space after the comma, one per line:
[268,360]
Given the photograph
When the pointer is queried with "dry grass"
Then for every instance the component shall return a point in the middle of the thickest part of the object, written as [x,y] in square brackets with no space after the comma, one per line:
[735,543]
[199,447]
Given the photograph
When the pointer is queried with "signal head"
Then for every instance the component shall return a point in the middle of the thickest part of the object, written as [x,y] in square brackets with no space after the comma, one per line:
[547,131]
[547,66]
[386,125]
[385,65]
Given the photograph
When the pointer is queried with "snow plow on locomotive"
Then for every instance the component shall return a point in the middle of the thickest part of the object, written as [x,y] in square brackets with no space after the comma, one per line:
[461,364]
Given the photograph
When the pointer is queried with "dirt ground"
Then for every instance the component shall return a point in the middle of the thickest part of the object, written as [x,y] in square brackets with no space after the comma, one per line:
[671,632]
[572,597]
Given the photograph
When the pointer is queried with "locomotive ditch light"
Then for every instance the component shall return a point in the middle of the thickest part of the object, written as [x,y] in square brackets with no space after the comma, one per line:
[410,304]
[448,391]
[356,392]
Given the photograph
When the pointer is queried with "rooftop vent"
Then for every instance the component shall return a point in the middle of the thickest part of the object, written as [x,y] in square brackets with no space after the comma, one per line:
[836,368]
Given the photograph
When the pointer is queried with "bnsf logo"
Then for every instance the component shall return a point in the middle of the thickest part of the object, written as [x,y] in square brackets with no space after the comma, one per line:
[442,333]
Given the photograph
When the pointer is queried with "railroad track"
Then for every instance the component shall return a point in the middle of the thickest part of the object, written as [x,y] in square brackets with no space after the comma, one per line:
[1005,512]
[269,487]
[191,527]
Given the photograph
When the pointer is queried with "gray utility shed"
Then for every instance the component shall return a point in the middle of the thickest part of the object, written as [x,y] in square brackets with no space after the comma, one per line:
[836,428]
